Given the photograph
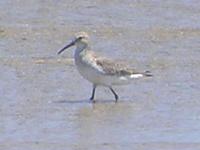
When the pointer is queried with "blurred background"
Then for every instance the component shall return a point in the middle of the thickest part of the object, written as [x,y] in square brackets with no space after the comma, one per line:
[44,100]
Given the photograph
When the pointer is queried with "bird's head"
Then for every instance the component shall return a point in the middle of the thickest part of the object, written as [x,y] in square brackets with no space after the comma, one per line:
[80,40]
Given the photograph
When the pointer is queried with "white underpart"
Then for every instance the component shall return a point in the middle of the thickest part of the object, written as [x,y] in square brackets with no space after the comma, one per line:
[136,75]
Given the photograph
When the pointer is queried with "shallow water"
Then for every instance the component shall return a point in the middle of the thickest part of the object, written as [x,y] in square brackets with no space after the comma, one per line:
[44,101]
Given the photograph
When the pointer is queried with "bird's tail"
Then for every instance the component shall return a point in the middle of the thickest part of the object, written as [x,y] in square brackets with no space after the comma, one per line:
[147,74]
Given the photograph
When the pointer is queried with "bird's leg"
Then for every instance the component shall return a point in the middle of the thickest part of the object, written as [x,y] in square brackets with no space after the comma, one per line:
[93,93]
[115,94]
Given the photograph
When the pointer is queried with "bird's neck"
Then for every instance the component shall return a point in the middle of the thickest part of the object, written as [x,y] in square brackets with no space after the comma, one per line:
[81,50]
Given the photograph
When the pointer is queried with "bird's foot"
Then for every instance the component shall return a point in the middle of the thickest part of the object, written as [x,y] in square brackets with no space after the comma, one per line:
[92,100]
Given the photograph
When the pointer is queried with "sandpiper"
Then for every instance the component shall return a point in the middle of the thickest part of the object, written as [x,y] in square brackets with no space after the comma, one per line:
[100,71]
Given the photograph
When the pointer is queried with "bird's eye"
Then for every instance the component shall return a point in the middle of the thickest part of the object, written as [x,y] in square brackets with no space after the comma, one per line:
[80,38]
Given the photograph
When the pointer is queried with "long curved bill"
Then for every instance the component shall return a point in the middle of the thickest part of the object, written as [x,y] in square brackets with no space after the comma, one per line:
[67,46]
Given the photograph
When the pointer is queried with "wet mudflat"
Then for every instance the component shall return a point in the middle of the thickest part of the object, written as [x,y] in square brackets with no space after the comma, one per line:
[44,100]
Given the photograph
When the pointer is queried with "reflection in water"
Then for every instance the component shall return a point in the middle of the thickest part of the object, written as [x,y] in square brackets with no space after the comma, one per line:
[104,122]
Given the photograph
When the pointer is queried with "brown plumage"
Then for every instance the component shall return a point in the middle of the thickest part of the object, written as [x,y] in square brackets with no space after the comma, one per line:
[111,67]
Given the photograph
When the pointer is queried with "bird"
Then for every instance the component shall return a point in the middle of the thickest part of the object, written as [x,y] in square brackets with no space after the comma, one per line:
[99,70]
